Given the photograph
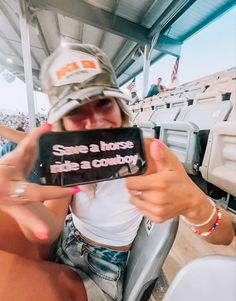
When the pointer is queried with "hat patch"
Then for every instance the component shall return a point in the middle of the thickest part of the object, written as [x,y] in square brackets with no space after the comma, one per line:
[73,67]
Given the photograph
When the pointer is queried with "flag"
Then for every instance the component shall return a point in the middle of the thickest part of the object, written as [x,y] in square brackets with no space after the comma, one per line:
[175,71]
[131,85]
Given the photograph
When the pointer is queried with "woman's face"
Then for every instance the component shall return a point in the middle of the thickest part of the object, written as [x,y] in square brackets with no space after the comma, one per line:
[98,114]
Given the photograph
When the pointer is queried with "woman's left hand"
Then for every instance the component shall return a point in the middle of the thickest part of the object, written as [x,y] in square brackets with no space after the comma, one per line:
[166,191]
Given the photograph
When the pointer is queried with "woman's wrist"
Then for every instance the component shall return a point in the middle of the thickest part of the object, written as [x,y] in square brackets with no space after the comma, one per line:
[206,227]
[200,209]
[205,221]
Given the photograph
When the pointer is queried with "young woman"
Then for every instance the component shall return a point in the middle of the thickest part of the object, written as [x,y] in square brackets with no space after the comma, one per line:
[98,233]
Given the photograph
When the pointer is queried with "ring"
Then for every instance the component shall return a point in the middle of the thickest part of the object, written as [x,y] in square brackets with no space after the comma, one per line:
[138,194]
[19,190]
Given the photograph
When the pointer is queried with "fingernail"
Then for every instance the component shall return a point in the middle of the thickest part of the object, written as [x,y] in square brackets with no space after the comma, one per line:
[41,235]
[155,146]
[75,190]
[157,142]
[47,127]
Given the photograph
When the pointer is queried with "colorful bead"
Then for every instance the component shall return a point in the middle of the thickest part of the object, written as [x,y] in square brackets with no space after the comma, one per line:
[212,228]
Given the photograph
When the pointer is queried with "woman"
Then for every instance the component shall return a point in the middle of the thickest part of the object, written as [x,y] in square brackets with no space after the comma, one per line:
[97,235]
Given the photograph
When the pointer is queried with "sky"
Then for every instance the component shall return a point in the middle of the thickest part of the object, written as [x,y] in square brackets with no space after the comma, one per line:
[211,50]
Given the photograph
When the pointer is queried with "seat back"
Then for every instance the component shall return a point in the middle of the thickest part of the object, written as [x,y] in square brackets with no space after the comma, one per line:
[143,116]
[164,115]
[187,136]
[151,129]
[219,162]
[208,278]
[148,253]
[205,115]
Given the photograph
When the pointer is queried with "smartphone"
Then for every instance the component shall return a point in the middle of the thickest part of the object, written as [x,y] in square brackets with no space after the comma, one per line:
[81,157]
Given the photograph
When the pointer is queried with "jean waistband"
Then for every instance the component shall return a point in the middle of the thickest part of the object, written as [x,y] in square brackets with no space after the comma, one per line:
[116,256]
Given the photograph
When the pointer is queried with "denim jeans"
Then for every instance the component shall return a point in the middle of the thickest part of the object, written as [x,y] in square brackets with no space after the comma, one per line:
[102,268]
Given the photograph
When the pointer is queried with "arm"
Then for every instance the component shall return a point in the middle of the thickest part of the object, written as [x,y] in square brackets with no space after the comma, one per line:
[167,191]
[11,134]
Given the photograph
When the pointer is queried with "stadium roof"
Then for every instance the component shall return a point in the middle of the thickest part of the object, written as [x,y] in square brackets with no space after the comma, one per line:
[120,27]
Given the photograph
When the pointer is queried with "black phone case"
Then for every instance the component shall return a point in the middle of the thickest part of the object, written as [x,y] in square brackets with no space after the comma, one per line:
[82,157]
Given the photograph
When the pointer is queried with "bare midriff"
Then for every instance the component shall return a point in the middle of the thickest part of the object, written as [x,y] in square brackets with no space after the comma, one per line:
[95,243]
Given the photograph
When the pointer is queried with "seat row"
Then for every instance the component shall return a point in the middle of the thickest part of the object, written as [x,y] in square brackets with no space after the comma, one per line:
[201,134]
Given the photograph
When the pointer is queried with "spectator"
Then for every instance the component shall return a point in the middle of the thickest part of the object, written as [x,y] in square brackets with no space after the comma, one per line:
[134,97]
[156,88]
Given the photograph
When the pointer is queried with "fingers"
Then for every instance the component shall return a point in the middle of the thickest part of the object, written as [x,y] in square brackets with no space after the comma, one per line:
[164,159]
[41,193]
[156,211]
[25,153]
[29,220]
[155,181]
[22,192]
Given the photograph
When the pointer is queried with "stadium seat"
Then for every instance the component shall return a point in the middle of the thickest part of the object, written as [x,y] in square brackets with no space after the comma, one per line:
[148,108]
[193,90]
[151,128]
[187,136]
[148,253]
[219,162]
[135,109]
[179,102]
[147,111]
[159,99]
[228,73]
[205,279]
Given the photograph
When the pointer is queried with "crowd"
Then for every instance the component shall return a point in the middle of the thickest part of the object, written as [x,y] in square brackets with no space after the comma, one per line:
[17,121]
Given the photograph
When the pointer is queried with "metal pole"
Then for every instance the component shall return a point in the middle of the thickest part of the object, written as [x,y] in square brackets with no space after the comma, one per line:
[25,43]
[146,65]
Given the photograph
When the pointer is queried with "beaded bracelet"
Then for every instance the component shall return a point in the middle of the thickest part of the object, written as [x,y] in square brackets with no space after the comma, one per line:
[213,227]
[205,222]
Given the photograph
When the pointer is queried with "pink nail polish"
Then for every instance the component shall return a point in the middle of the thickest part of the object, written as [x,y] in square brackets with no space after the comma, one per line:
[75,190]
[47,127]
[157,142]
[155,147]
[41,235]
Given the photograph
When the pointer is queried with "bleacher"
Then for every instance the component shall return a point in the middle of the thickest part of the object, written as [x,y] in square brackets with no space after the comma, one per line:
[197,121]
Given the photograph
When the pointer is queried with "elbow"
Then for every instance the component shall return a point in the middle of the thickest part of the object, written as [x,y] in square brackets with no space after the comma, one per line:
[229,238]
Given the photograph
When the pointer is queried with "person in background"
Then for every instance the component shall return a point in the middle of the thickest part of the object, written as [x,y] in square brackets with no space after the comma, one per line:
[134,97]
[94,244]
[156,88]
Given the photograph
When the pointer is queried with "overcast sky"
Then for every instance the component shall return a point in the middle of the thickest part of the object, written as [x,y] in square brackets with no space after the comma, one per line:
[211,50]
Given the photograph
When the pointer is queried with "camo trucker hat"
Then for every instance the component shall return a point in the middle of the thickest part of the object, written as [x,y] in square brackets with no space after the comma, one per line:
[73,75]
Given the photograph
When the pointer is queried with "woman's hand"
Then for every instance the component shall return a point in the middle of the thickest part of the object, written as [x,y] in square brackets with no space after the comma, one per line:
[14,168]
[166,191]
[23,200]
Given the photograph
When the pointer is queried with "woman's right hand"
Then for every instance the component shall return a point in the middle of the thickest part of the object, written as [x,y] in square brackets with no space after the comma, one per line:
[15,167]
[23,200]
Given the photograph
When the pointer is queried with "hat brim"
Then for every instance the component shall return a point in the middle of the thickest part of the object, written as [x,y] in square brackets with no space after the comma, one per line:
[81,97]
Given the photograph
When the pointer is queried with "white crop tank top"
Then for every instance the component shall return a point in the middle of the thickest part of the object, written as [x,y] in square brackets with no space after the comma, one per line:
[109,218]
